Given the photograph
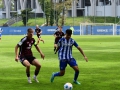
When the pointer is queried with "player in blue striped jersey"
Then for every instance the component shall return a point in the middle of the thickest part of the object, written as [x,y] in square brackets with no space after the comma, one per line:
[65,56]
[1,32]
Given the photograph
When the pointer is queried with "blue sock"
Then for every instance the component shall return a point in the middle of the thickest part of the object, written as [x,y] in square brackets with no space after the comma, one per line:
[57,74]
[76,75]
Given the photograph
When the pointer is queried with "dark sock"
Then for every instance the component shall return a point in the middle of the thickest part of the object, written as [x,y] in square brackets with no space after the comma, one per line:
[36,72]
[28,74]
[76,75]
[57,74]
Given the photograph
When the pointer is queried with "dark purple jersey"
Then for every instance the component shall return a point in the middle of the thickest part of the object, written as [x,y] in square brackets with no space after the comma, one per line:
[59,34]
[37,30]
[25,46]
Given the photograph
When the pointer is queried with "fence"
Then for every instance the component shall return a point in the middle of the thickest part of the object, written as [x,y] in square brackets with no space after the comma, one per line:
[49,30]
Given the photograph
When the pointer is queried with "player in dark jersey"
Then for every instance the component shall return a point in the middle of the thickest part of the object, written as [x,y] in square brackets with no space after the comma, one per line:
[58,35]
[38,33]
[26,56]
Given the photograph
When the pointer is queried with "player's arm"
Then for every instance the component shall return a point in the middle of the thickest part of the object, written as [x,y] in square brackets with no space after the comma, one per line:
[58,46]
[16,48]
[39,50]
[55,34]
[81,51]
[16,53]
[41,32]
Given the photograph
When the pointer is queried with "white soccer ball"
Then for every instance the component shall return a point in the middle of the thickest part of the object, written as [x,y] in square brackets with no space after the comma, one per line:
[68,86]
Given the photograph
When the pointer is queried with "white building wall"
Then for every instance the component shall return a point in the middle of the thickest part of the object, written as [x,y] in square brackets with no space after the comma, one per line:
[118,11]
[103,11]
[93,10]
[21,5]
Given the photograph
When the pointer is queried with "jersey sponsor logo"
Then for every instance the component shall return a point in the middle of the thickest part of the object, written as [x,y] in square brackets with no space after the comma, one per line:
[29,47]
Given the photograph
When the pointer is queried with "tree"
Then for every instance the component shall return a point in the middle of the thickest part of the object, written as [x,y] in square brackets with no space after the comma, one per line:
[54,10]
[25,15]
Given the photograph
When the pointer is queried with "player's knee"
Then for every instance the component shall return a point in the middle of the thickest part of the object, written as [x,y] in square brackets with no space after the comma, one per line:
[77,70]
[28,66]
[38,66]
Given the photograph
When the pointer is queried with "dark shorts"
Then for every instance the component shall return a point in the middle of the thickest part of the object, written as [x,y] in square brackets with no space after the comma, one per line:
[38,35]
[56,40]
[29,59]
[0,35]
[63,63]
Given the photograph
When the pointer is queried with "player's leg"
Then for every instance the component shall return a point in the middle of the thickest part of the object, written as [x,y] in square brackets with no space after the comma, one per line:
[38,41]
[36,63]
[55,47]
[74,65]
[62,65]
[27,65]
[41,40]
[55,44]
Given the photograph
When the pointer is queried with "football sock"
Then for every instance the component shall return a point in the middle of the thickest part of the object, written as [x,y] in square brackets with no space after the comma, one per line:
[36,72]
[28,78]
[76,75]
[28,74]
[35,76]
[57,74]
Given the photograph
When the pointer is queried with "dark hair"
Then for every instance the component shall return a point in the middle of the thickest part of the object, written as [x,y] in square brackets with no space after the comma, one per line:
[29,29]
[69,31]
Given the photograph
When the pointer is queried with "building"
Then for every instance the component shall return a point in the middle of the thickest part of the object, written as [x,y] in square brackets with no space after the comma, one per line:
[79,8]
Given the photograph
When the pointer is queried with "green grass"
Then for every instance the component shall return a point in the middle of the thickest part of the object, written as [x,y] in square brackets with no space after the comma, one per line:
[68,21]
[102,72]
[2,21]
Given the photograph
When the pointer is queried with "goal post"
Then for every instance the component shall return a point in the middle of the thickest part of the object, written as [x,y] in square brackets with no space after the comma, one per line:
[97,29]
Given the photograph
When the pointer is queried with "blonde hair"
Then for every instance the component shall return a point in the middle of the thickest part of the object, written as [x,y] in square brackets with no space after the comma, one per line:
[37,25]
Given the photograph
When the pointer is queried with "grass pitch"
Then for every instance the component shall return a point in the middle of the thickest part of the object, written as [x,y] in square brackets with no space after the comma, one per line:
[101,72]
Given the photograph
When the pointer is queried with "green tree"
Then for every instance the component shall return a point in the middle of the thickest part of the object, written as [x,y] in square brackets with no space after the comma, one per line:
[53,10]
[25,15]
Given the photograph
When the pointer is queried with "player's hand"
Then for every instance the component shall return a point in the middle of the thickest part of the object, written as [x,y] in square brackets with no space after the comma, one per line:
[86,59]
[16,59]
[42,56]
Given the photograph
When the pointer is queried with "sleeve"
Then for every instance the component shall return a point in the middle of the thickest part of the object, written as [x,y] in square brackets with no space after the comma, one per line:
[21,41]
[63,34]
[55,33]
[34,43]
[75,44]
[40,30]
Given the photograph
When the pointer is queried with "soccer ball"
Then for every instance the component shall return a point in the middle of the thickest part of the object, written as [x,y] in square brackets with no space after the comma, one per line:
[68,86]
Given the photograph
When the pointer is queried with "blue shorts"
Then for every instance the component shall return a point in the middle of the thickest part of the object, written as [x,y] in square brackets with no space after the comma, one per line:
[63,63]
[0,35]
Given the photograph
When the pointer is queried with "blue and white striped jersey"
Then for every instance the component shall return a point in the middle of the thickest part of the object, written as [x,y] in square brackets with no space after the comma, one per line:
[65,48]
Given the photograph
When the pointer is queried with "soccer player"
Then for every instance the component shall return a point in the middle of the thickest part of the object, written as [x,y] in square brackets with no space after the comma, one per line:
[58,35]
[38,33]
[72,28]
[1,32]
[26,56]
[65,56]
